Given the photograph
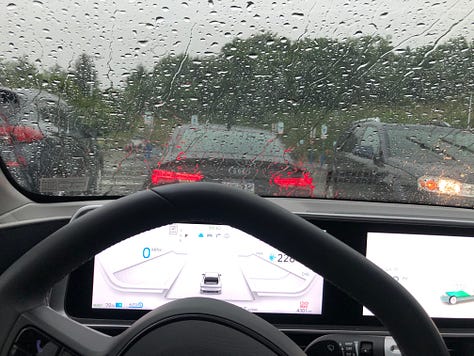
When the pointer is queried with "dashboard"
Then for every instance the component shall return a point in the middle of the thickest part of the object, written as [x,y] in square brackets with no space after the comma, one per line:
[429,257]
[218,261]
[188,260]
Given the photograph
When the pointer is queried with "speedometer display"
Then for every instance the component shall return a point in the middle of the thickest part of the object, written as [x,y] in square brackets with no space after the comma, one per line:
[217,261]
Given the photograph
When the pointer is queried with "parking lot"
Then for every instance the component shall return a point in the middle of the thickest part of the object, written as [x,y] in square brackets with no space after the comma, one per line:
[123,173]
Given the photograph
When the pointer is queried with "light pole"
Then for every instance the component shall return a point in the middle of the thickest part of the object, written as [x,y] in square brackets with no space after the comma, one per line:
[469,113]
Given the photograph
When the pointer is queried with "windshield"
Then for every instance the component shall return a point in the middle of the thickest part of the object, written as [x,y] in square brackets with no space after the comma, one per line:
[353,100]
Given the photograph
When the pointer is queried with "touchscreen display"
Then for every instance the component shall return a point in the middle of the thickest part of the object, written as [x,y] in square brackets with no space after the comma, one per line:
[436,270]
[216,261]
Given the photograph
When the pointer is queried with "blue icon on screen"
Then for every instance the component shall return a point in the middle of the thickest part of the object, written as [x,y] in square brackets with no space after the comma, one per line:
[272,257]
[118,305]
[201,235]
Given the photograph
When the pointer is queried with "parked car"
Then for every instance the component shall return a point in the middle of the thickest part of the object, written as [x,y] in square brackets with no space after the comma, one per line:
[242,157]
[45,148]
[404,163]
[211,283]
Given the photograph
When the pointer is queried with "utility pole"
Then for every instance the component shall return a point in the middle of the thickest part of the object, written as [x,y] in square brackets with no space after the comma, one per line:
[469,113]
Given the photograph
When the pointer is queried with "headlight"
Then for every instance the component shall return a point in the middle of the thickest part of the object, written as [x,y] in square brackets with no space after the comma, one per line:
[445,186]
[449,186]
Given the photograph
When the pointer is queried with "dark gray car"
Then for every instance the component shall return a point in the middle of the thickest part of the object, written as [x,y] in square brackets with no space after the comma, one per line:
[251,159]
[45,148]
[404,163]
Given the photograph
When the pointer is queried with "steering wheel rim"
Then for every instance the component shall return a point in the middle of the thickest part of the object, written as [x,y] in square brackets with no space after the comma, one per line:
[32,276]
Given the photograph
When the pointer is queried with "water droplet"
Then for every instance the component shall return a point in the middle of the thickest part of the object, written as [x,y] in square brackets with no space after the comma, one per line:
[297,14]
[11,6]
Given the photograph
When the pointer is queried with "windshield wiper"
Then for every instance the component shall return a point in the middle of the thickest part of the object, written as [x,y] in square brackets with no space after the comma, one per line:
[430,148]
[459,146]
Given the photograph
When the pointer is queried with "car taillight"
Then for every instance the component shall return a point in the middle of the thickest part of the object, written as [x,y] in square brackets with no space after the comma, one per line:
[12,164]
[305,181]
[24,134]
[161,176]
[12,159]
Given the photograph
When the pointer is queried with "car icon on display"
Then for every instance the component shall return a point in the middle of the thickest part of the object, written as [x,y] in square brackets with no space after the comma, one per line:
[456,297]
[211,283]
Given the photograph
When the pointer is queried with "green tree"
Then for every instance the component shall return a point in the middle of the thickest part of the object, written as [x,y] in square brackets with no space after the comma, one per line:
[85,76]
[19,74]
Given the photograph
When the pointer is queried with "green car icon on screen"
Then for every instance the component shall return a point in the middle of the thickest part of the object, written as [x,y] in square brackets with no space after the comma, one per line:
[456,297]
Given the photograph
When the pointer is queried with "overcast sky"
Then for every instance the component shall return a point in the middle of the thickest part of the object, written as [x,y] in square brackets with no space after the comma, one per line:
[122,34]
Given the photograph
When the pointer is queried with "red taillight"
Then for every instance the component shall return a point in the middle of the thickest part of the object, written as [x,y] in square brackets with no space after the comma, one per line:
[13,164]
[12,161]
[24,134]
[161,176]
[306,181]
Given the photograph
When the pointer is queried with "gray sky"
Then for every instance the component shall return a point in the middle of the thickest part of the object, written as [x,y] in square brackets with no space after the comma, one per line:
[122,34]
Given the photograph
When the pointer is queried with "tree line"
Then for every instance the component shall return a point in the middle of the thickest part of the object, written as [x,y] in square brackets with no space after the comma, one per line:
[267,78]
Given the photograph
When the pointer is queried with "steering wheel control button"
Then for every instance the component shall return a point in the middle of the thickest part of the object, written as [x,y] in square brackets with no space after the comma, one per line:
[350,345]
[349,348]
[366,348]
[325,348]
[33,342]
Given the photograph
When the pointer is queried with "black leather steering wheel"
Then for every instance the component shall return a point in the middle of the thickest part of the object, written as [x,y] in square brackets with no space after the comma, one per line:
[206,326]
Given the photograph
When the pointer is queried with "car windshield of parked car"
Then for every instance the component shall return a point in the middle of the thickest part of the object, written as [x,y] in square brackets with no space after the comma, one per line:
[355,100]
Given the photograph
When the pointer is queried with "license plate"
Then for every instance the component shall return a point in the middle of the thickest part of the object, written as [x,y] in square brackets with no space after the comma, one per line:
[249,187]
[72,184]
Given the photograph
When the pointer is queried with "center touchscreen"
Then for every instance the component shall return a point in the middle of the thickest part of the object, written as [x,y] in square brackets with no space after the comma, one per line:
[437,270]
[217,261]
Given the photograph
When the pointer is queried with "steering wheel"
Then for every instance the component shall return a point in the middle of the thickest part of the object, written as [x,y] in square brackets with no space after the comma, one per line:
[199,325]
